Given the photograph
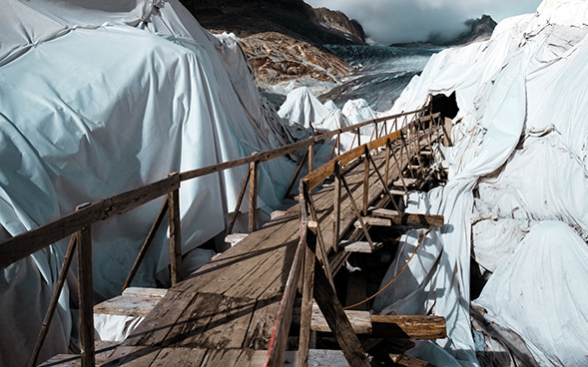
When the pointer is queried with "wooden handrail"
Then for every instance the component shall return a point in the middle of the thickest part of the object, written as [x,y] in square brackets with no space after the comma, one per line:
[25,244]
[319,175]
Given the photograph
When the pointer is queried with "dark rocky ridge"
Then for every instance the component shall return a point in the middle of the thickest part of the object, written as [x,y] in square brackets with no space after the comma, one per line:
[476,30]
[293,18]
[282,38]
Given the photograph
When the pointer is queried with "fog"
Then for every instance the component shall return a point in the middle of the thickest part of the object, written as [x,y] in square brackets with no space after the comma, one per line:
[391,21]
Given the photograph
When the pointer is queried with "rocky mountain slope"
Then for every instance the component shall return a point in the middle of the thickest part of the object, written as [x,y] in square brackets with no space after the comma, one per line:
[282,38]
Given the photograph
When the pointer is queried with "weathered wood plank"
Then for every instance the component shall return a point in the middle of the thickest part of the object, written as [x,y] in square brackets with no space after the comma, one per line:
[374,221]
[407,219]
[194,320]
[409,326]
[153,330]
[86,296]
[360,246]
[360,321]
[262,322]
[127,306]
[228,326]
[177,357]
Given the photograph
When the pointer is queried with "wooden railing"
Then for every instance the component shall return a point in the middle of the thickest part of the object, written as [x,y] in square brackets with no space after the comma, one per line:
[78,224]
[311,261]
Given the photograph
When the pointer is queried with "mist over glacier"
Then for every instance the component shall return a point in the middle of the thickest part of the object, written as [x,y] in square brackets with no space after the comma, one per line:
[398,21]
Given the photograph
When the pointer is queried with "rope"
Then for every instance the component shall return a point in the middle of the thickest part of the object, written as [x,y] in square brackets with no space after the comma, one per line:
[396,276]
[466,148]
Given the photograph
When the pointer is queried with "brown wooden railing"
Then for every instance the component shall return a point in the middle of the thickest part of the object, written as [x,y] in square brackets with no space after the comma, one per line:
[78,224]
[311,261]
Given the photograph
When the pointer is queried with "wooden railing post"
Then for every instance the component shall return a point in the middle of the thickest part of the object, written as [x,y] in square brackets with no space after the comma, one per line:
[307,297]
[366,176]
[339,143]
[86,296]
[253,182]
[311,158]
[175,234]
[336,206]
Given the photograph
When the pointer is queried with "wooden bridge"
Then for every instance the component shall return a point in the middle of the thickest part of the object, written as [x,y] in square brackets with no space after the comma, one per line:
[239,308]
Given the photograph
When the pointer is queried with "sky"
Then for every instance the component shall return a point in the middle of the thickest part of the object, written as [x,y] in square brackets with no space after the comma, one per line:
[391,21]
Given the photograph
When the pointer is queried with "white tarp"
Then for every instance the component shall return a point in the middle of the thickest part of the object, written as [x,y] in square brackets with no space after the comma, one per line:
[518,164]
[100,98]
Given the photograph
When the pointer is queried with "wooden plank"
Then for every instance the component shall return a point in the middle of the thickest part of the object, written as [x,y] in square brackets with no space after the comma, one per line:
[408,361]
[228,326]
[179,357]
[125,305]
[360,321]
[153,330]
[407,182]
[86,296]
[235,238]
[25,244]
[405,219]
[222,357]
[360,246]
[193,321]
[409,326]
[374,221]
[262,322]
[145,292]
[175,235]
[132,356]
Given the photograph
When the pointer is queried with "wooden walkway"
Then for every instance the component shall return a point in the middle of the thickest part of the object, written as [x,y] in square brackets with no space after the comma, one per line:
[225,313]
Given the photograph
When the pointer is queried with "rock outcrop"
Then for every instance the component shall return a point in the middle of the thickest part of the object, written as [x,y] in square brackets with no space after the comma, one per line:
[282,38]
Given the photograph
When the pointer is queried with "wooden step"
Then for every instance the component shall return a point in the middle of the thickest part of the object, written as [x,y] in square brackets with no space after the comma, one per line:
[374,221]
[235,238]
[426,152]
[397,192]
[407,181]
[413,220]
[392,326]
[413,167]
[133,302]
[359,246]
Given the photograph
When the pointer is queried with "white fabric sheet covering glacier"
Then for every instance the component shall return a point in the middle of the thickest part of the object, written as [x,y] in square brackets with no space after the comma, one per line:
[100,98]
[519,161]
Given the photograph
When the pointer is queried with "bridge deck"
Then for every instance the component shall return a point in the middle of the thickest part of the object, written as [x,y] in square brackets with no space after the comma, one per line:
[224,314]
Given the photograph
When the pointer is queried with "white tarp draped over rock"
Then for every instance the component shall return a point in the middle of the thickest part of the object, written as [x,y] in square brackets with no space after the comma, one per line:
[100,98]
[518,164]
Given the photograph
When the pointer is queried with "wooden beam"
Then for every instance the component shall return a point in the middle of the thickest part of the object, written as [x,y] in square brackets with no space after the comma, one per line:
[86,296]
[175,235]
[239,201]
[360,321]
[360,246]
[413,220]
[146,244]
[337,319]
[306,310]
[374,221]
[336,205]
[409,326]
[388,326]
